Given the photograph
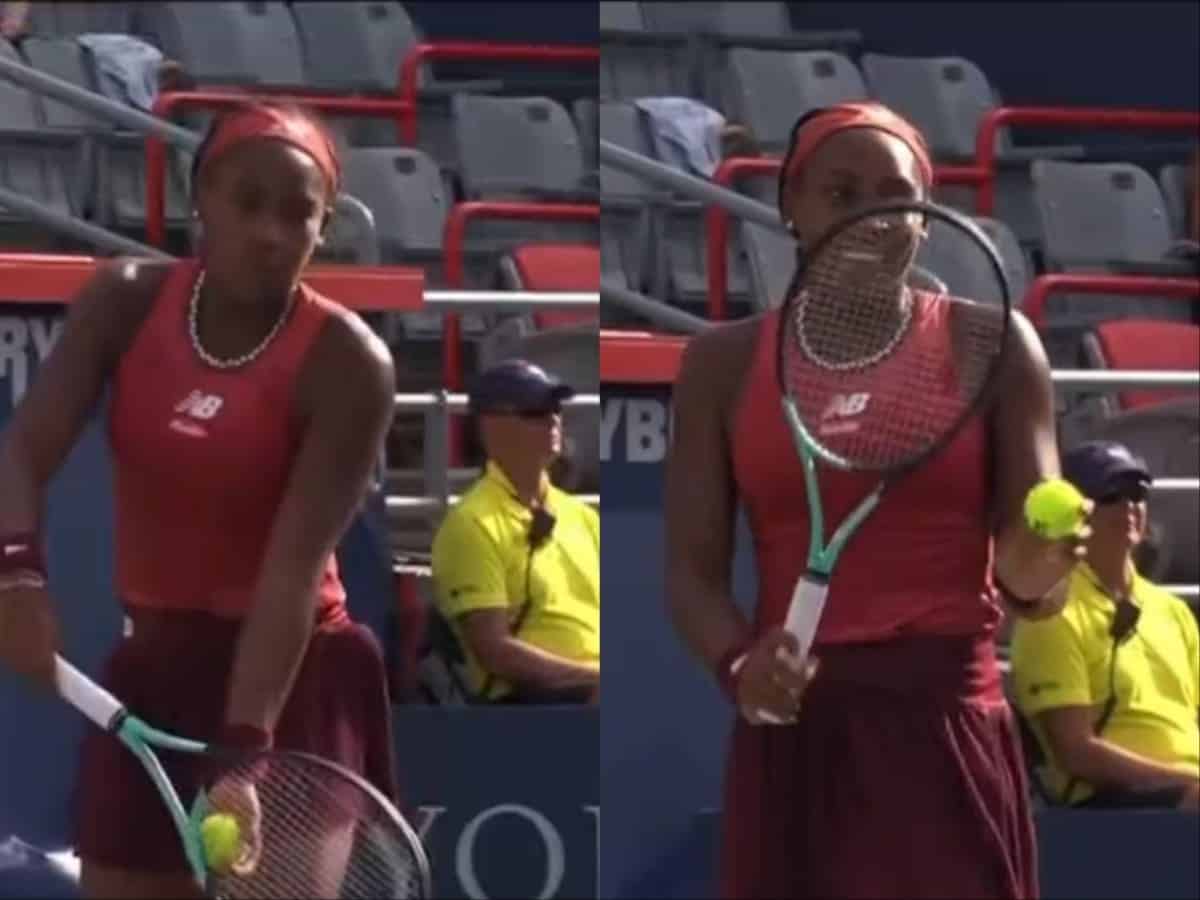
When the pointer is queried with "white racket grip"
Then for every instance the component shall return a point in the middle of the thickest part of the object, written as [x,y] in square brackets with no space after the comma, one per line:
[803,615]
[85,695]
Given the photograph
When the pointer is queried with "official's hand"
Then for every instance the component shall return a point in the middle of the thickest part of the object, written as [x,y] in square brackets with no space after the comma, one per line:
[771,680]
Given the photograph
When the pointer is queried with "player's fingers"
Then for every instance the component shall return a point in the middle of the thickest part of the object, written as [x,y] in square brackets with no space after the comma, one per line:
[792,675]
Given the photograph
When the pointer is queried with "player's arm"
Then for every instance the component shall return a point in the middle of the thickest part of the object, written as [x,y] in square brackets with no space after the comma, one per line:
[100,323]
[700,498]
[346,396]
[1025,451]
[471,589]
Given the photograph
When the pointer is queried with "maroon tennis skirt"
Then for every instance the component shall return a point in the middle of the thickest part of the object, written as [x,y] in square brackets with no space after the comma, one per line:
[903,777]
[174,673]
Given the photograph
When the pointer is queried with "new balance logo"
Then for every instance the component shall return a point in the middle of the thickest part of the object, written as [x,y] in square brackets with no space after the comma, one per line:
[193,410]
[842,407]
[199,405]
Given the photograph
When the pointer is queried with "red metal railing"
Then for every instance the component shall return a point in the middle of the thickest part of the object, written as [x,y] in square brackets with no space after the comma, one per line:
[410,66]
[52,279]
[983,173]
[453,238]
[171,101]
[638,357]
[717,219]
[1041,288]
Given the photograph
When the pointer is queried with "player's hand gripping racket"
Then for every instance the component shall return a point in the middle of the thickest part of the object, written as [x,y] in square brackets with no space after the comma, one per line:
[305,827]
[876,375]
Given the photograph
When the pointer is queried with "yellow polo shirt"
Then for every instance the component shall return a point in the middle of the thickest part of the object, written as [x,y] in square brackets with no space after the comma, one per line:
[1064,661]
[480,555]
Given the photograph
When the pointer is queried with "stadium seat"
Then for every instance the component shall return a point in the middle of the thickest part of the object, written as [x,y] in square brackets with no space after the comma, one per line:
[946,97]
[620,16]
[405,193]
[969,275]
[531,154]
[635,63]
[1100,217]
[351,238]
[553,267]
[1167,436]
[767,90]
[70,19]
[43,164]
[230,43]
[1147,346]
[1176,182]
[587,124]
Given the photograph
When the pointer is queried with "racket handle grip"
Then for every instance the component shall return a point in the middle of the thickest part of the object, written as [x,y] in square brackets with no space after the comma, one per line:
[85,695]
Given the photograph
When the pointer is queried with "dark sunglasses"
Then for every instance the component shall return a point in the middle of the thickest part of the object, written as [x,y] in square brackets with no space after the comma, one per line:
[1133,493]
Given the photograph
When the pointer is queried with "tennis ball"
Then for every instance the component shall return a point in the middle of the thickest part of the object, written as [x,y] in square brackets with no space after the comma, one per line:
[221,837]
[1055,509]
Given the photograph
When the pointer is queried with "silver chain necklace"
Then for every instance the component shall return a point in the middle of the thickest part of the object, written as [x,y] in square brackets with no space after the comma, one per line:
[865,362]
[237,361]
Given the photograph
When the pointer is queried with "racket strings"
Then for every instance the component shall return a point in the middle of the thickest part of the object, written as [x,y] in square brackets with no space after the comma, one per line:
[878,373]
[322,835]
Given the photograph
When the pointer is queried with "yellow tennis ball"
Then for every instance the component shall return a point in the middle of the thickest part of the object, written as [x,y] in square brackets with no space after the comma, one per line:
[1055,509]
[221,837]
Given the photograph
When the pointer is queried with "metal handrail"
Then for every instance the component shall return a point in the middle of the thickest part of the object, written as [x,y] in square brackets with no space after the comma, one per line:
[458,402]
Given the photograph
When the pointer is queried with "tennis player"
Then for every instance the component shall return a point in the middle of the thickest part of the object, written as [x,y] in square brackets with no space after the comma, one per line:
[901,773]
[246,413]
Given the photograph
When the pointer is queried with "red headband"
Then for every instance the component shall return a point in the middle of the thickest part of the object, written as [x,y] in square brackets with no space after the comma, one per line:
[268,122]
[858,115]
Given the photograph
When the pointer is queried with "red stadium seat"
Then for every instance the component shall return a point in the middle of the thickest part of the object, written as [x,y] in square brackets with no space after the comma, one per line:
[558,267]
[1146,345]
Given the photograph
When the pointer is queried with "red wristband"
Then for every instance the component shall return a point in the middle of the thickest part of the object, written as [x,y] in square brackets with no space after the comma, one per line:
[22,553]
[727,678]
[245,737]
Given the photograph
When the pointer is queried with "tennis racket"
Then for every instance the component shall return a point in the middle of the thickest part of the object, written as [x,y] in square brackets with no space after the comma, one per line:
[308,827]
[877,373]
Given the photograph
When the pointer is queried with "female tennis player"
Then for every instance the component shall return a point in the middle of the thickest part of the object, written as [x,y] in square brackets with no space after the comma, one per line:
[900,773]
[246,413]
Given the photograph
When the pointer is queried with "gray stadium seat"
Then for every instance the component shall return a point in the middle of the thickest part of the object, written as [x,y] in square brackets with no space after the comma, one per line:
[352,236]
[767,90]
[531,146]
[771,258]
[945,97]
[405,193]
[587,123]
[635,63]
[1176,183]
[113,186]
[41,163]
[969,275]
[69,19]
[1168,437]
[620,16]
[230,43]
[1092,216]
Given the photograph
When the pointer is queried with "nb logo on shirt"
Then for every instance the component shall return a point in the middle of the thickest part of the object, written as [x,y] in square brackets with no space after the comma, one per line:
[199,405]
[842,407]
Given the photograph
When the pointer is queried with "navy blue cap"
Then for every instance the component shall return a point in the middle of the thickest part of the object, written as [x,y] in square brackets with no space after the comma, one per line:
[1098,468]
[516,385]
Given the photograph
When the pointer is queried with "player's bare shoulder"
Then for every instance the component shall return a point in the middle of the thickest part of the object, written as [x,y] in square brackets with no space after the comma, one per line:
[351,360]
[716,362]
[116,300]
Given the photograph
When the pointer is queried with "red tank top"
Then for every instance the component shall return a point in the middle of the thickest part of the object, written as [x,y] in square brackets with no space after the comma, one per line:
[918,565]
[201,459]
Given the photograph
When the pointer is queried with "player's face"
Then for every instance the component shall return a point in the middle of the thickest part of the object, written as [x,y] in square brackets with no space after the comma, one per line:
[263,206]
[850,171]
